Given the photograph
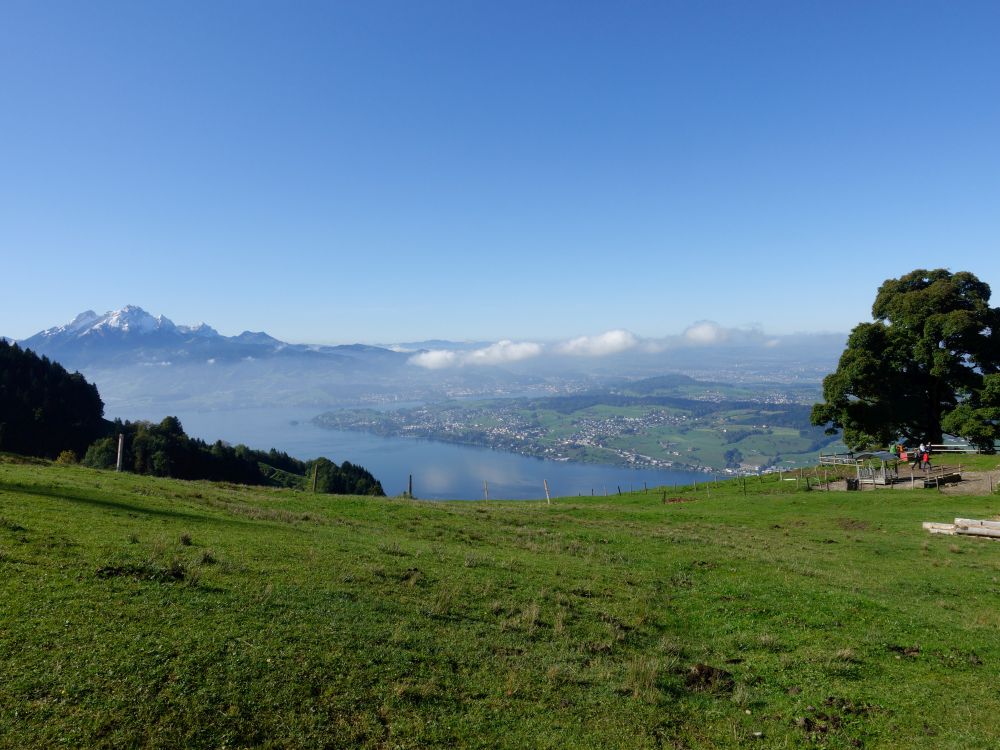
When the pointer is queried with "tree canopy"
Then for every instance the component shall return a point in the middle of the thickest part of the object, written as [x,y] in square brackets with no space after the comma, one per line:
[927,365]
[164,449]
[45,410]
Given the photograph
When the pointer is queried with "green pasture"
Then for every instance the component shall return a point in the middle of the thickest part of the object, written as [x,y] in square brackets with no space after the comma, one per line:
[144,612]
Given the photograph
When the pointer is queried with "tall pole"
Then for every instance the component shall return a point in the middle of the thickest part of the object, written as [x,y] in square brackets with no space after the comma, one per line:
[410,490]
[486,490]
[121,449]
[547,498]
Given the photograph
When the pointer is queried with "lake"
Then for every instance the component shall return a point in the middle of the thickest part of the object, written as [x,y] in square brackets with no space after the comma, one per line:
[441,471]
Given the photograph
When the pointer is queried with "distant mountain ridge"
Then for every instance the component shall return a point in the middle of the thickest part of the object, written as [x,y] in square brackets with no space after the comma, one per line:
[131,335]
[145,364]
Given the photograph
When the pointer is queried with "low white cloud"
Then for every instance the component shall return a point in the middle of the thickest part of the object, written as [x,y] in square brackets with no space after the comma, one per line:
[700,333]
[503,351]
[435,359]
[706,332]
[601,345]
[495,354]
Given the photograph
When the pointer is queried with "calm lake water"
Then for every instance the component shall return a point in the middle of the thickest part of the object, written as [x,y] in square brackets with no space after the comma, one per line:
[441,471]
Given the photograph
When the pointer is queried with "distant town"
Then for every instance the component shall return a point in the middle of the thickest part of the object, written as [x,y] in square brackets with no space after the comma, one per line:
[707,427]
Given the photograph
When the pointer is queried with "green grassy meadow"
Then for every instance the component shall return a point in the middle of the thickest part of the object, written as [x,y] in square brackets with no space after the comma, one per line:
[144,612]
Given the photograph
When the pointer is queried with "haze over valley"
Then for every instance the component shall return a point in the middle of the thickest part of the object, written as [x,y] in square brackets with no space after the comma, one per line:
[614,382]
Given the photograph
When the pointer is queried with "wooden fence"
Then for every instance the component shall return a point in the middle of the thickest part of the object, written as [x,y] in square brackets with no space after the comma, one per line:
[954,448]
[837,459]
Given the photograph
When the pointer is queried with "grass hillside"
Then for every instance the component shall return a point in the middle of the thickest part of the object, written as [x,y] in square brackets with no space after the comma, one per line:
[142,612]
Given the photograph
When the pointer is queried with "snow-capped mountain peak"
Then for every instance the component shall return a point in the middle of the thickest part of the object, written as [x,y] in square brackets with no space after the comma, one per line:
[132,318]
[131,326]
[82,321]
[131,335]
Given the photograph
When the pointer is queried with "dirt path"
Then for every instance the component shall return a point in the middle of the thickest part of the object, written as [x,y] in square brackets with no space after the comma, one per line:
[973,483]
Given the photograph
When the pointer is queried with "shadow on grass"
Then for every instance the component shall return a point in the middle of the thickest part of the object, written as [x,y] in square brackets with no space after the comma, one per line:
[57,494]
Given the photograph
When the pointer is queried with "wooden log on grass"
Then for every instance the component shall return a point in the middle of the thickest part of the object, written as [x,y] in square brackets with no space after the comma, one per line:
[976,522]
[939,528]
[977,531]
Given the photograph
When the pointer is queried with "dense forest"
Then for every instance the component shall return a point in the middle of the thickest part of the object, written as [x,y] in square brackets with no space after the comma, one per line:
[165,450]
[46,411]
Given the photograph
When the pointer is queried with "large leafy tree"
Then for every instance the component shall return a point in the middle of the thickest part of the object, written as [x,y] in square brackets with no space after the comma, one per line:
[928,364]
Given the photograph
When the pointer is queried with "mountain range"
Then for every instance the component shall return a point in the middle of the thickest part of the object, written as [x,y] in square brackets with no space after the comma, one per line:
[148,364]
[133,336]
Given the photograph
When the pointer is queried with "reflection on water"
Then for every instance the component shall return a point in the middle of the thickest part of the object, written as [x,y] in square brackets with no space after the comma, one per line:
[440,471]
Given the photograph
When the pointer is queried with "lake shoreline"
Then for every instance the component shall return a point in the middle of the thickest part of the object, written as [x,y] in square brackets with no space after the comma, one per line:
[439,470]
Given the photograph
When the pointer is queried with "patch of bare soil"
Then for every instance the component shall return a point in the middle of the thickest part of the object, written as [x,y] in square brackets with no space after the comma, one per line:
[703,677]
[973,483]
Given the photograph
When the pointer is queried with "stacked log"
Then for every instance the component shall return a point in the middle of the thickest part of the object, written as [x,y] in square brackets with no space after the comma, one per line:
[965,527]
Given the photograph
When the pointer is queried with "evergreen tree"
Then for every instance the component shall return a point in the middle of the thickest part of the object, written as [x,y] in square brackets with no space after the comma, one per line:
[45,410]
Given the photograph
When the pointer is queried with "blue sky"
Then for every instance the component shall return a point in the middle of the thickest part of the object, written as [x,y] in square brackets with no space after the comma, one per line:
[391,171]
